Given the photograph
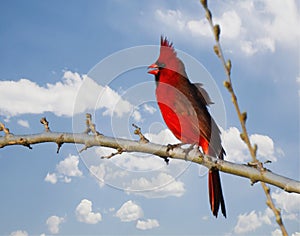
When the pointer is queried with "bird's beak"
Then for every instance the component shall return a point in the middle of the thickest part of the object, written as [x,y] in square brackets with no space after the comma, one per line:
[154,69]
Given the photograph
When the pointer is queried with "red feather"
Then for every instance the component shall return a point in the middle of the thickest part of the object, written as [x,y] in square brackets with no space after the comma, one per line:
[183,106]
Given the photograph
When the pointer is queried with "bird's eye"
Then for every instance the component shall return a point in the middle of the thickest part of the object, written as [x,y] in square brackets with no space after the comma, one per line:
[161,65]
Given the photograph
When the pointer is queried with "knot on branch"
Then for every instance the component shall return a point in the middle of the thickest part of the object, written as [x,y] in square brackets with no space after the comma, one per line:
[24,142]
[59,142]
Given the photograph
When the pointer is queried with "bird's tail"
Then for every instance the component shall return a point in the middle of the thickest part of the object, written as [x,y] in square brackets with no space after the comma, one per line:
[215,193]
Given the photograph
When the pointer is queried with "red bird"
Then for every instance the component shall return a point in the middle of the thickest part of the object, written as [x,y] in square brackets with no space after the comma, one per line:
[183,106]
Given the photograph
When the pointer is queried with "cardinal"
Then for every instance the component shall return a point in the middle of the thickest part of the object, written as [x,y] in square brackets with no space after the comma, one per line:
[184,108]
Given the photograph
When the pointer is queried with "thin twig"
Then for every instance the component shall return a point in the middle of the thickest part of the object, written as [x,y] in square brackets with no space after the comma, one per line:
[4,129]
[91,127]
[45,123]
[138,132]
[241,115]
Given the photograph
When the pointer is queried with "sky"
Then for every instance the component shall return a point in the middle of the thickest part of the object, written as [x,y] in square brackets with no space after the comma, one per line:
[61,59]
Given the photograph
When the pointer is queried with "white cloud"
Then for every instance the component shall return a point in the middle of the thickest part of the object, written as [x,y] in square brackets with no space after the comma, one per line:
[53,223]
[172,18]
[19,233]
[129,211]
[164,137]
[148,108]
[249,27]
[160,186]
[230,23]
[142,174]
[288,202]
[248,47]
[57,98]
[65,169]
[52,178]
[60,97]
[237,151]
[106,173]
[23,123]
[85,214]
[276,232]
[265,145]
[69,166]
[99,172]
[136,115]
[285,22]
[111,101]
[250,222]
[147,224]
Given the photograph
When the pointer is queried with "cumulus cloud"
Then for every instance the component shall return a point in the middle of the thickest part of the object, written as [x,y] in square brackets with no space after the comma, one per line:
[236,149]
[142,174]
[163,137]
[276,232]
[19,233]
[160,186]
[250,26]
[53,223]
[230,21]
[74,94]
[251,221]
[85,214]
[147,224]
[51,178]
[69,166]
[129,211]
[64,170]
[23,123]
[289,203]
[106,174]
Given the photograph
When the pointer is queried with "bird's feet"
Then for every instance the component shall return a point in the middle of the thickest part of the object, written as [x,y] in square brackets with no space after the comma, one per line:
[171,147]
[190,148]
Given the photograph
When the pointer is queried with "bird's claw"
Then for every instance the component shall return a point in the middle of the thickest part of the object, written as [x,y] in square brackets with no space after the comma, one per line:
[187,150]
[171,147]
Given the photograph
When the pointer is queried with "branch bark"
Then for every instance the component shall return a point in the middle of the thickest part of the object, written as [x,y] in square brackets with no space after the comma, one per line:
[91,140]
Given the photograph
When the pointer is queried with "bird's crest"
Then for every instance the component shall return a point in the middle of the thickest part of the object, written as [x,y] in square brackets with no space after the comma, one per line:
[166,48]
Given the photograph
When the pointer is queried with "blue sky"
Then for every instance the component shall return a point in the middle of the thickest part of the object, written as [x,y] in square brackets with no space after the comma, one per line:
[61,59]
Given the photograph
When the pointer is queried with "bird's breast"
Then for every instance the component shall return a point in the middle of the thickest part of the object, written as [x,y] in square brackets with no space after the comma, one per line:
[178,112]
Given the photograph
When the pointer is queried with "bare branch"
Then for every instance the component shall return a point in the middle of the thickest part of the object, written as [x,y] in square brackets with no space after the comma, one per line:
[251,172]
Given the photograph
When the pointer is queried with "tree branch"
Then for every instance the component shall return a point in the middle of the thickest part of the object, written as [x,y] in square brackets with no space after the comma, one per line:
[92,140]
[241,115]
